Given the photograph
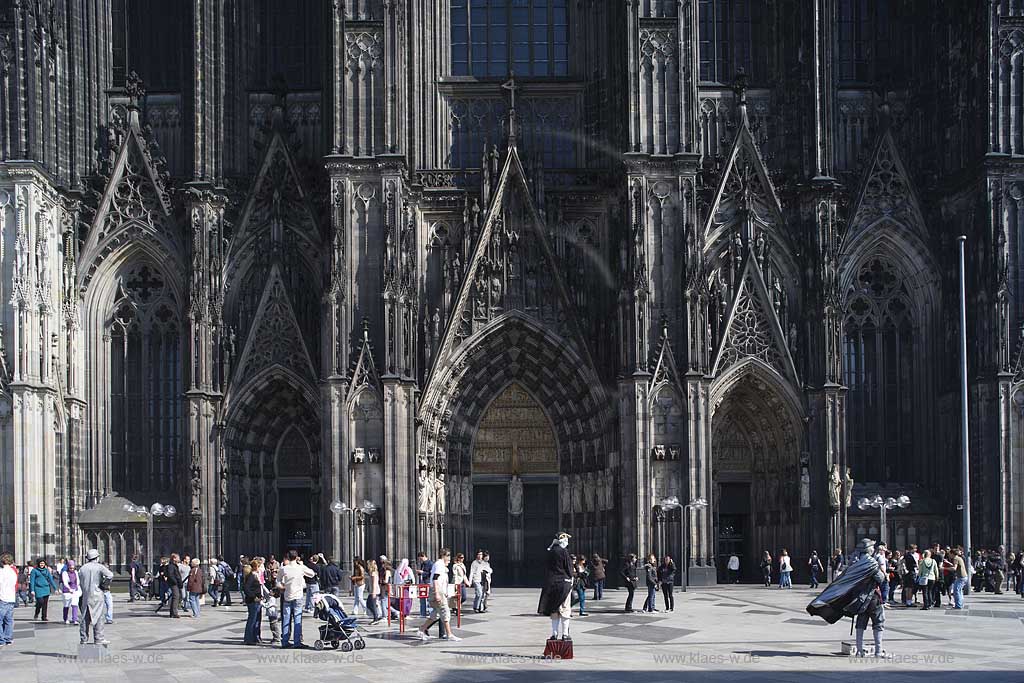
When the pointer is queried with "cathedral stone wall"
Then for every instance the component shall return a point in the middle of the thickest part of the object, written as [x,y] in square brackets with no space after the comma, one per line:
[383,276]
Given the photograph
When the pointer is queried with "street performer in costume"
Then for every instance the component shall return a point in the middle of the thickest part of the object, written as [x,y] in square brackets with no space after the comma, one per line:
[556,595]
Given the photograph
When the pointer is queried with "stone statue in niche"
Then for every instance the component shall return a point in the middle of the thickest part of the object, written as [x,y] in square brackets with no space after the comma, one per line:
[848,487]
[566,492]
[590,491]
[805,487]
[515,495]
[373,455]
[358,456]
[224,497]
[601,503]
[439,495]
[835,486]
[659,452]
[454,492]
[673,452]
[425,491]
[467,497]
[577,492]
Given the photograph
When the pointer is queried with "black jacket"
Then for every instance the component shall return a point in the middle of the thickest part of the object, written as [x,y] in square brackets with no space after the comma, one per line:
[170,574]
[251,589]
[667,573]
[331,576]
[558,580]
[628,572]
[651,574]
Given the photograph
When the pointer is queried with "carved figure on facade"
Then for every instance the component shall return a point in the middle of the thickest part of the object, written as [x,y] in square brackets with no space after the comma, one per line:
[515,495]
[835,486]
[805,487]
[848,487]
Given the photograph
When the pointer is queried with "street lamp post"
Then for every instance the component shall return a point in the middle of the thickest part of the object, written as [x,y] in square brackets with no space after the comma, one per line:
[671,503]
[883,504]
[154,510]
[339,508]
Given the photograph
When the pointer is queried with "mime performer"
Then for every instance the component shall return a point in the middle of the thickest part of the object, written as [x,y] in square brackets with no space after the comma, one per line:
[555,597]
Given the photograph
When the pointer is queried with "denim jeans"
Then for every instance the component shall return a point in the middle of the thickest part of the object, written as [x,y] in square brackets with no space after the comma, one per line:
[108,600]
[478,595]
[599,589]
[581,595]
[423,607]
[784,580]
[311,589]
[814,580]
[958,592]
[651,600]
[885,591]
[21,596]
[6,623]
[252,622]
[193,603]
[358,603]
[214,594]
[291,615]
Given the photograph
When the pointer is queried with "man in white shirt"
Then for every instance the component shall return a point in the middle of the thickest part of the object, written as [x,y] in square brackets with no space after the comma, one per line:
[8,583]
[439,599]
[476,579]
[291,579]
[734,568]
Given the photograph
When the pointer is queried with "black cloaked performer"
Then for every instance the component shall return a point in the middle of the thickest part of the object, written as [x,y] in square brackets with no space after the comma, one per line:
[555,597]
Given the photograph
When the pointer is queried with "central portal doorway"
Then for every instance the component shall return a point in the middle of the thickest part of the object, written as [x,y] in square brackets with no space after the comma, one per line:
[515,486]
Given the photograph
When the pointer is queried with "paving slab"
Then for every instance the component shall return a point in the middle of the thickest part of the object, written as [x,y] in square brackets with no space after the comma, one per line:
[720,634]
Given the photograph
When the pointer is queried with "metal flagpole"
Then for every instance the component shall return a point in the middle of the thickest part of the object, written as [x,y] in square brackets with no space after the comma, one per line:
[965,474]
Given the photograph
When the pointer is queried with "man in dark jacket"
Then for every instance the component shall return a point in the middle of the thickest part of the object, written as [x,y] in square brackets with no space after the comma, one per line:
[332,578]
[556,596]
[629,578]
[171,575]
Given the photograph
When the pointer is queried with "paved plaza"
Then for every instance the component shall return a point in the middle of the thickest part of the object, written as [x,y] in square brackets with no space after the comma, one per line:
[722,633]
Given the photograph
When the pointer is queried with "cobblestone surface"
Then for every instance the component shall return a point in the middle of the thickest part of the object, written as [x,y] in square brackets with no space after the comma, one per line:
[723,633]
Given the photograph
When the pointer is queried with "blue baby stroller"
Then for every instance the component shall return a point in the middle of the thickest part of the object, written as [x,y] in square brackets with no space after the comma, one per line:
[338,629]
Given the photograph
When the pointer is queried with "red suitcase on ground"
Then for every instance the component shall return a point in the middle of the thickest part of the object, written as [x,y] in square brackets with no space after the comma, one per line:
[558,649]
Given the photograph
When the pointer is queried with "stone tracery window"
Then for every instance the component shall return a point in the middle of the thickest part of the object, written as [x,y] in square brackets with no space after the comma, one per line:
[730,39]
[878,366]
[492,37]
[144,335]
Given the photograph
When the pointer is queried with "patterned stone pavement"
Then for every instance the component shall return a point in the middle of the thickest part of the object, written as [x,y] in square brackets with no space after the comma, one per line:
[724,633]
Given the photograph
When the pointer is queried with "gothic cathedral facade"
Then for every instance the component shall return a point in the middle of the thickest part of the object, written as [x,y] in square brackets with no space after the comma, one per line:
[375,276]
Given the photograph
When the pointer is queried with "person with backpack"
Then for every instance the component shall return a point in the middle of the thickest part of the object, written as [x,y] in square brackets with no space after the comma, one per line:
[229,579]
[214,580]
[814,565]
[598,575]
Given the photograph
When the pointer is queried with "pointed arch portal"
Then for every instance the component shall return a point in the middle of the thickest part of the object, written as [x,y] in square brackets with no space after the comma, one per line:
[515,482]
[756,472]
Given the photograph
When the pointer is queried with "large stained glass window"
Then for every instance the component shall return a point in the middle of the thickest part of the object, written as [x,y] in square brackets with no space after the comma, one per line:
[490,38]
[879,353]
[145,384]
[865,41]
[730,35]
